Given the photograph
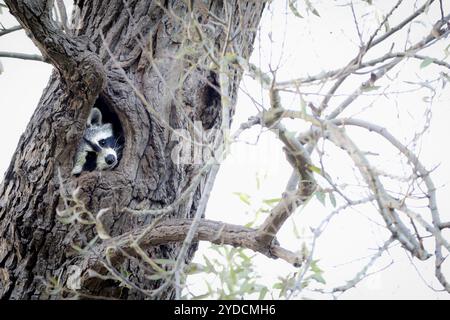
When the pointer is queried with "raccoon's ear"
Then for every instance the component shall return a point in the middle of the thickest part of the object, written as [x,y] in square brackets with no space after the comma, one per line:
[95,118]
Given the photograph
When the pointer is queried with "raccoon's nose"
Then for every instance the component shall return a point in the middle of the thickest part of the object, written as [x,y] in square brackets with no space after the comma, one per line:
[110,159]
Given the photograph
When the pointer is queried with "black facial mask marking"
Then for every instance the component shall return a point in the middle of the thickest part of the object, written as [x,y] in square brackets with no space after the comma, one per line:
[94,146]
[110,143]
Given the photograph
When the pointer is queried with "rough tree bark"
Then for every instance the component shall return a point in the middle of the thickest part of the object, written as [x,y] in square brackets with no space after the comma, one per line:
[116,49]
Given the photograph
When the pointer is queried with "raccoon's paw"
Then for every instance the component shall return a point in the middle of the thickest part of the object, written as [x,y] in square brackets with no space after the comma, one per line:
[76,171]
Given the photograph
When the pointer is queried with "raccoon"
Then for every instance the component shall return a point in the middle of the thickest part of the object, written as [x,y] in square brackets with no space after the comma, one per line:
[99,149]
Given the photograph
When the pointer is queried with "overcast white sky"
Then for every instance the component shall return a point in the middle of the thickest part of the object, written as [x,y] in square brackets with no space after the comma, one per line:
[302,46]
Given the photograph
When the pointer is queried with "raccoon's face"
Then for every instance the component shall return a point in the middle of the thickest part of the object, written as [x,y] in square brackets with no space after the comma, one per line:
[100,148]
[101,141]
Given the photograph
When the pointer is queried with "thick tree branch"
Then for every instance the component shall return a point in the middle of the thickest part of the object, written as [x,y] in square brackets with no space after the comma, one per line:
[300,160]
[208,230]
[278,216]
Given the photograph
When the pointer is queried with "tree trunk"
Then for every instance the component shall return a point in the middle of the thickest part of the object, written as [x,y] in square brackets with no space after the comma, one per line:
[145,64]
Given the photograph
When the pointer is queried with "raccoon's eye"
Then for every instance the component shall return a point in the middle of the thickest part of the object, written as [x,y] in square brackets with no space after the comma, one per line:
[102,142]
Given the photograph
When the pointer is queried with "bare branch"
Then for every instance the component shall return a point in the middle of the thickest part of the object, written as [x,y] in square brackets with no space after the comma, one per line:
[393,222]
[412,158]
[444,225]
[435,33]
[363,273]
[9,30]
[404,55]
[400,26]
[438,269]
[354,64]
[69,55]
[431,195]
[371,43]
[23,56]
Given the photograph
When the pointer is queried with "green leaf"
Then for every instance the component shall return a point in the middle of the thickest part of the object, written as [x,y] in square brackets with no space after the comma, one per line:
[447,51]
[426,62]
[371,88]
[232,277]
[318,277]
[230,57]
[263,293]
[125,273]
[320,195]
[209,265]
[278,285]
[156,276]
[314,11]
[295,230]
[195,268]
[247,287]
[249,224]
[164,261]
[244,256]
[293,7]
[272,201]
[243,197]
[77,248]
[332,199]
[210,289]
[311,8]
[315,169]
[314,267]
